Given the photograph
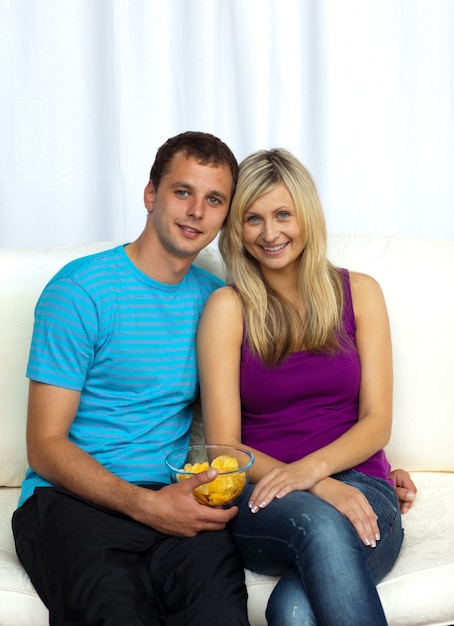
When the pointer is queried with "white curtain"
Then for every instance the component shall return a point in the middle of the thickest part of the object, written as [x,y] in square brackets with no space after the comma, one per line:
[360,90]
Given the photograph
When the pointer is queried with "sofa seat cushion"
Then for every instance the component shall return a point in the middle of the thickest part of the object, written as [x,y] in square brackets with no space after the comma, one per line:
[417,592]
[19,602]
[419,589]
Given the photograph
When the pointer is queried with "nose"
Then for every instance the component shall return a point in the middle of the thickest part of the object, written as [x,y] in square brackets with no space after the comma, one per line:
[269,231]
[196,208]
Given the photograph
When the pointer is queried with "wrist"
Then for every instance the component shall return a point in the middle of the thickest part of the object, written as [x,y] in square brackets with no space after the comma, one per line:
[132,500]
[317,468]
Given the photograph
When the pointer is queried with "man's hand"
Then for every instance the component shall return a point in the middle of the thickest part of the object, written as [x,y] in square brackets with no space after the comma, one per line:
[404,487]
[173,510]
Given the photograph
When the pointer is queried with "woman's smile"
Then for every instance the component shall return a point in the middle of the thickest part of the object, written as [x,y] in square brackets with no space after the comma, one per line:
[272,250]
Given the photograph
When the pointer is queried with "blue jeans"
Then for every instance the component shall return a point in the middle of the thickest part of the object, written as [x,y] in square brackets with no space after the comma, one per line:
[328,576]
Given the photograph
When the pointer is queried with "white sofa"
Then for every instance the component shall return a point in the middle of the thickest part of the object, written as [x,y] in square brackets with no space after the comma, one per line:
[417,277]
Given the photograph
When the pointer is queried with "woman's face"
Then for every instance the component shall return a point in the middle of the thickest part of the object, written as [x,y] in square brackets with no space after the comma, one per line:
[271,231]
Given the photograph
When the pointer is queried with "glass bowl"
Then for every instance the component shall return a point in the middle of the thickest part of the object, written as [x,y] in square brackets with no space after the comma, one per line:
[233,465]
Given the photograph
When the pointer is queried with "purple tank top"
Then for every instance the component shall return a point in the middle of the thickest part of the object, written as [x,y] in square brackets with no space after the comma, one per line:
[306,402]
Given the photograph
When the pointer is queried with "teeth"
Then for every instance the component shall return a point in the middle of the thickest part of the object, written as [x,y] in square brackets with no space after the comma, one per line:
[275,248]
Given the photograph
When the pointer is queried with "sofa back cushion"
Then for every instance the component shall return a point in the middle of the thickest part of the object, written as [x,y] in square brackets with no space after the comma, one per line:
[23,275]
[417,278]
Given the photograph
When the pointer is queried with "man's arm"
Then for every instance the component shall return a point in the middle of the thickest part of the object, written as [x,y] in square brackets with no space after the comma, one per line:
[404,487]
[172,510]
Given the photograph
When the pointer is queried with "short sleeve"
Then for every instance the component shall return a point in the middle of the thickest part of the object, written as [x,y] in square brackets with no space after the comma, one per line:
[64,335]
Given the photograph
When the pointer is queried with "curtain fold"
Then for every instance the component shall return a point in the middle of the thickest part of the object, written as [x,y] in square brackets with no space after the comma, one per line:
[361,92]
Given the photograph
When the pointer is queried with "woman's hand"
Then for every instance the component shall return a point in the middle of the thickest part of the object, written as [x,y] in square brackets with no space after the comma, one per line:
[281,480]
[354,505]
[404,487]
[346,499]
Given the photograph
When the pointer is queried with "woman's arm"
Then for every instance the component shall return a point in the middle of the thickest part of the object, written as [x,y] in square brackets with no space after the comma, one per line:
[219,340]
[219,352]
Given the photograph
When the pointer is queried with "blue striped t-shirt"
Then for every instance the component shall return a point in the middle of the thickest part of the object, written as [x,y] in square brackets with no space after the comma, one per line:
[127,343]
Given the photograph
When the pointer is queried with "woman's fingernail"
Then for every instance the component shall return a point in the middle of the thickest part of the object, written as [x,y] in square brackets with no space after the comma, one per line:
[377,536]
[254,509]
[262,504]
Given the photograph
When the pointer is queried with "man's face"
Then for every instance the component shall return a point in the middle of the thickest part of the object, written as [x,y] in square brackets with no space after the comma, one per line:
[190,205]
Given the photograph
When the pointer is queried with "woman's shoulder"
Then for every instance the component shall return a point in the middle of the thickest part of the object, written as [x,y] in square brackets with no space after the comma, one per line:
[360,282]
[225,296]
[222,316]
[224,303]
[365,290]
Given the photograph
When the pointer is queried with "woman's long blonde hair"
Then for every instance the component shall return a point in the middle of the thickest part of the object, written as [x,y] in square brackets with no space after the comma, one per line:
[274,327]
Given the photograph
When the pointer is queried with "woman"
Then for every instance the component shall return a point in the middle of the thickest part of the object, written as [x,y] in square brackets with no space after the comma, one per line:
[305,382]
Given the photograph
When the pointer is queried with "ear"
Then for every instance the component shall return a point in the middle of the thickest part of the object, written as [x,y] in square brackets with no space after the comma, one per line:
[149,196]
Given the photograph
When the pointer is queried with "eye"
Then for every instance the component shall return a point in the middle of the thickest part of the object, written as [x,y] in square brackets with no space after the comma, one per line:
[183,193]
[283,215]
[252,219]
[214,201]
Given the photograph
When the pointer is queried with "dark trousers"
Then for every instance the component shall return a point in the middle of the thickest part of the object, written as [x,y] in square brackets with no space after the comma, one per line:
[92,566]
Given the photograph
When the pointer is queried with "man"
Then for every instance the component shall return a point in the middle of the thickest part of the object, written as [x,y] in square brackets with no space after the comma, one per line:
[112,378]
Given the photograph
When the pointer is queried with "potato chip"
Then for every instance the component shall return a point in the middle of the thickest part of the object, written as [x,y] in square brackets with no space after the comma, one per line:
[223,489]
[225,463]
